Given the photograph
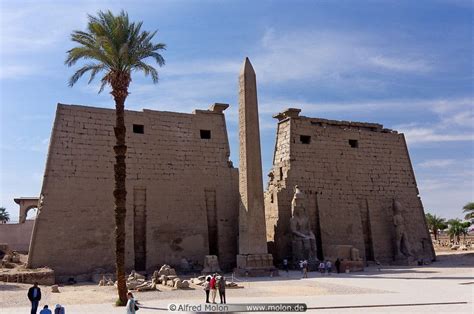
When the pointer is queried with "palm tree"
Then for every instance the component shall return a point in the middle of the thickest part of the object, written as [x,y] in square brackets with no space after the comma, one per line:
[4,215]
[116,47]
[469,210]
[465,229]
[435,224]
[458,228]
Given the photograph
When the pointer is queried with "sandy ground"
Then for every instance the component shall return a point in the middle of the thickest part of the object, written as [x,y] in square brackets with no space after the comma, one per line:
[389,285]
[14,295]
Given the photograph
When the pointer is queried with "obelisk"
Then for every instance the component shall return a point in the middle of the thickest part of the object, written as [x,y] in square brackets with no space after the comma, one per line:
[253,258]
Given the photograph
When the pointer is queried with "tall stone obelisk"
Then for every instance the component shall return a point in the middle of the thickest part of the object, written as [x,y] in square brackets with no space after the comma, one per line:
[253,258]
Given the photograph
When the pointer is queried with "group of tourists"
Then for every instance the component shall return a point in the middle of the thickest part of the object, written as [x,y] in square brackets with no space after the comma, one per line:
[212,284]
[34,295]
[324,267]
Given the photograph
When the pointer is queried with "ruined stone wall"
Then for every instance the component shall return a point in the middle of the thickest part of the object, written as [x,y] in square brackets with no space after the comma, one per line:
[182,199]
[350,173]
[17,235]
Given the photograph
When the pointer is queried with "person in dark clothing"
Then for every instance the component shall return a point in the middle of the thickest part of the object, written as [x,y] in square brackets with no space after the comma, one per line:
[221,286]
[338,265]
[285,265]
[34,295]
[207,287]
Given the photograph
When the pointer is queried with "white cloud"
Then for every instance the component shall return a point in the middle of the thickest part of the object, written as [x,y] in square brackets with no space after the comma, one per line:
[401,65]
[432,134]
[455,121]
[23,143]
[317,55]
[16,71]
[445,190]
[201,67]
[437,163]
[29,31]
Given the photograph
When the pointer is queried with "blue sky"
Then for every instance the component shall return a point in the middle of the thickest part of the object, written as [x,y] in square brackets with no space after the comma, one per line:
[405,64]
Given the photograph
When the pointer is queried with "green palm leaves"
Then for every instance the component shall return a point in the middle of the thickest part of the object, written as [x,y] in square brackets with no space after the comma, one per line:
[113,44]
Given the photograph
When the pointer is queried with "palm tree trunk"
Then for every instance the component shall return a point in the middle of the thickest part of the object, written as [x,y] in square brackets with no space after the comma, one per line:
[120,92]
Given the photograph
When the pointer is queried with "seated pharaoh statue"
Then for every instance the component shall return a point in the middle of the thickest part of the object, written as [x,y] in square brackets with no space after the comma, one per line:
[303,240]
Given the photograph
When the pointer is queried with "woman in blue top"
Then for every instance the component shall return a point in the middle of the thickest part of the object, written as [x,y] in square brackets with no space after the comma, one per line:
[130,304]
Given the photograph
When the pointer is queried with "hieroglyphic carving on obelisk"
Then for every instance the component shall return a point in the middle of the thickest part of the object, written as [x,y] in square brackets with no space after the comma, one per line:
[252,231]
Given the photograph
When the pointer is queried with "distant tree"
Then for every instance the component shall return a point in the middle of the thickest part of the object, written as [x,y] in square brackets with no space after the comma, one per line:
[469,210]
[4,215]
[465,230]
[458,228]
[435,224]
[116,47]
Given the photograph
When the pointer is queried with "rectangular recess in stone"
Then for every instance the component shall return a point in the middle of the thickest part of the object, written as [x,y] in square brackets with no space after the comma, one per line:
[205,134]
[139,128]
[305,139]
[139,227]
[354,143]
[211,210]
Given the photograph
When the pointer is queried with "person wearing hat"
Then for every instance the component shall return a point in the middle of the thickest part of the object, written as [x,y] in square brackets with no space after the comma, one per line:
[59,309]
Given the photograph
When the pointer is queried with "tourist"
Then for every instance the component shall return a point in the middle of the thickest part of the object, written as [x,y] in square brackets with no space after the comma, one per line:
[285,265]
[329,267]
[131,306]
[221,285]
[207,287]
[213,287]
[305,269]
[45,310]
[322,267]
[338,265]
[34,295]
[60,309]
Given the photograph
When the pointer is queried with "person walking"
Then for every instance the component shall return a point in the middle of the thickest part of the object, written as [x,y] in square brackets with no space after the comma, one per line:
[207,287]
[322,267]
[305,269]
[338,265]
[34,295]
[131,306]
[45,310]
[221,285]
[329,267]
[213,287]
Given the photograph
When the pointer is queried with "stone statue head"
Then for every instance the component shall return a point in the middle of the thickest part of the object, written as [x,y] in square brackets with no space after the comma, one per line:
[396,206]
[297,204]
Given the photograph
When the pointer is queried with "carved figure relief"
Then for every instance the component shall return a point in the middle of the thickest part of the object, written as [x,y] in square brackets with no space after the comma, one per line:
[402,246]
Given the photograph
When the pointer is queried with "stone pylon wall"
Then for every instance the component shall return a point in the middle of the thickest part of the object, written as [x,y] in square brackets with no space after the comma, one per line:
[350,172]
[172,174]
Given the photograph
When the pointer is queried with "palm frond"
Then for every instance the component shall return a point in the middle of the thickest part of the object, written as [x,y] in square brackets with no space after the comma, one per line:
[147,70]
[116,46]
[94,68]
